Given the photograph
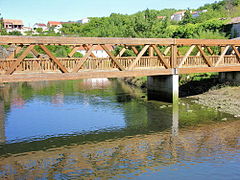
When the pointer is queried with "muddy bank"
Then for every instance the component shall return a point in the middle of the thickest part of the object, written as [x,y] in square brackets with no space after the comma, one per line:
[226,99]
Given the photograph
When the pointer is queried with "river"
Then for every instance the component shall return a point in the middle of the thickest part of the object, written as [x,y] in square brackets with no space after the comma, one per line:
[105,129]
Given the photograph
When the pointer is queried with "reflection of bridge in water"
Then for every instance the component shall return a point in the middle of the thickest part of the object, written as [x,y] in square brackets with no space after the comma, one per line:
[115,157]
[107,153]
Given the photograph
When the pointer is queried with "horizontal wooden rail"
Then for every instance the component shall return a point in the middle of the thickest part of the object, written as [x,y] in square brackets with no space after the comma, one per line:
[118,41]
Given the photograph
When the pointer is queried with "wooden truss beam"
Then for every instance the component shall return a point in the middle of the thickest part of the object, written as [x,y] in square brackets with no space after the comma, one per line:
[205,57]
[236,52]
[121,52]
[186,56]
[120,67]
[138,57]
[223,53]
[161,57]
[84,59]
[61,67]
[19,60]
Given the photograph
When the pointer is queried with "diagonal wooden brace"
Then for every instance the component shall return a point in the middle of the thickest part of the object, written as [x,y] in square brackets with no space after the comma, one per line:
[205,57]
[221,58]
[19,60]
[138,57]
[61,67]
[236,52]
[186,56]
[84,59]
[161,57]
[120,67]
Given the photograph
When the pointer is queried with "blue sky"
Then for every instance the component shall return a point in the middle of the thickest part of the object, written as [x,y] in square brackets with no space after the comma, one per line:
[32,11]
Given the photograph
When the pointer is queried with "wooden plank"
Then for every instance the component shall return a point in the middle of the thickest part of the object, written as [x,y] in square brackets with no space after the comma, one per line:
[46,50]
[74,50]
[121,52]
[138,57]
[151,51]
[173,56]
[55,40]
[120,67]
[84,59]
[20,59]
[82,75]
[161,57]
[223,53]
[210,50]
[48,40]
[207,60]
[167,51]
[236,52]
[135,50]
[199,53]
[208,69]
[87,49]
[186,56]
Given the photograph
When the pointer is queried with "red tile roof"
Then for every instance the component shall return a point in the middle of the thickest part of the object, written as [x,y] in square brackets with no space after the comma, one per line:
[54,23]
[13,21]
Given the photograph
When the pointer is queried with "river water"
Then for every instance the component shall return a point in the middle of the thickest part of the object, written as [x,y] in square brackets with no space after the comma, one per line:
[105,129]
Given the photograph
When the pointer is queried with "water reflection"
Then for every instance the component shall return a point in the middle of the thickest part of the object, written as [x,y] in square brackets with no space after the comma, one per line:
[108,132]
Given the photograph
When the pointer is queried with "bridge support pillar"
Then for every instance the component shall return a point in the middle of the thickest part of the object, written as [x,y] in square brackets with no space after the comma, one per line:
[229,76]
[163,88]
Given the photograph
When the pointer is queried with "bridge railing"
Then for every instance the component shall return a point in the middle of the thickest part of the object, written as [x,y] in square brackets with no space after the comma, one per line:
[149,54]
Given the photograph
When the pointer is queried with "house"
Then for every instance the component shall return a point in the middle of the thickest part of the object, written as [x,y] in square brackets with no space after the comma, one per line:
[178,16]
[98,52]
[40,26]
[84,20]
[235,27]
[53,23]
[12,25]
[196,14]
[56,25]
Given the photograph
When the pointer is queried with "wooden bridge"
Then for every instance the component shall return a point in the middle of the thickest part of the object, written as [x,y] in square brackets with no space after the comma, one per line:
[32,59]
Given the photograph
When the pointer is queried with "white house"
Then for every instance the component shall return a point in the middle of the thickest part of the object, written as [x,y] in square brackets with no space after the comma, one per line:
[40,25]
[84,20]
[98,52]
[195,14]
[13,25]
[178,16]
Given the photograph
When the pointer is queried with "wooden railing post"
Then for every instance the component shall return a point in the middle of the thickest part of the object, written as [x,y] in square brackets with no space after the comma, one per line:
[151,54]
[173,56]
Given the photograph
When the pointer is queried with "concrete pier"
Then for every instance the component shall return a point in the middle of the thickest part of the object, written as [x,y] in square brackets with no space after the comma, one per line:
[230,76]
[163,88]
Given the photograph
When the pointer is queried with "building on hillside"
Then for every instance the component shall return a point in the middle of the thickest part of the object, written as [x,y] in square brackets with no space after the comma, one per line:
[178,16]
[53,23]
[84,20]
[161,17]
[40,26]
[98,52]
[13,25]
[196,14]
[56,25]
[234,25]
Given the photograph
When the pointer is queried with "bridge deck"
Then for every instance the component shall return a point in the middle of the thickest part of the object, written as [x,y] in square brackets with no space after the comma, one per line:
[34,58]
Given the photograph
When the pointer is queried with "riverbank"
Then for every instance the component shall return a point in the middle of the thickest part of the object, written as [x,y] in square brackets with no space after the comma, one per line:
[225,99]
[208,92]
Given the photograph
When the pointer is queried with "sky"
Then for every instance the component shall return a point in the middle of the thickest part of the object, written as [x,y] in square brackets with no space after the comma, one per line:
[42,11]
